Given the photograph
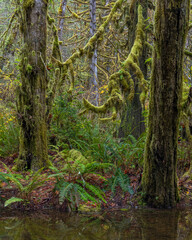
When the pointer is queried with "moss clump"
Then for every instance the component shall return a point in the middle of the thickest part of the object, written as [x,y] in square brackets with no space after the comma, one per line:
[29,68]
[28,3]
[50,20]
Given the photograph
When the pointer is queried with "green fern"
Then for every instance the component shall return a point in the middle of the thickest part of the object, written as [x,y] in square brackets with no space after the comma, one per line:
[24,190]
[77,186]
[120,179]
[12,200]
[95,191]
[3,177]
[72,192]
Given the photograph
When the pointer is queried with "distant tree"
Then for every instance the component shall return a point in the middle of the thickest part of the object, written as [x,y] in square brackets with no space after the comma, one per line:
[93,60]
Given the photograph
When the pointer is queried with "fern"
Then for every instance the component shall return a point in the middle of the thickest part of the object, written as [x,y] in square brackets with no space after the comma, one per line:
[122,180]
[3,177]
[12,200]
[24,190]
[65,189]
[95,191]
[84,195]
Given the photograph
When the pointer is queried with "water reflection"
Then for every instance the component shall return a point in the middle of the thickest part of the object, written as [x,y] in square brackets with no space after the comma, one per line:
[134,225]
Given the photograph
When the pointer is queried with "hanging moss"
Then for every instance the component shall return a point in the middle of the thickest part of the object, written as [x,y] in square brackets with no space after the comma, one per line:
[122,81]
[89,47]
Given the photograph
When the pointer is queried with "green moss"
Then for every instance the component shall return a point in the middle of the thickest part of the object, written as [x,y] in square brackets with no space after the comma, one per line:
[29,68]
[122,80]
[86,208]
[28,3]
[50,20]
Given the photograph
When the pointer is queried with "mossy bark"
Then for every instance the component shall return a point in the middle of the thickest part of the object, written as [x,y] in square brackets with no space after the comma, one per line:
[132,120]
[31,104]
[159,182]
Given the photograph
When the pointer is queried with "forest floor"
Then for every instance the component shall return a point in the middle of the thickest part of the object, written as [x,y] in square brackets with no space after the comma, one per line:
[45,197]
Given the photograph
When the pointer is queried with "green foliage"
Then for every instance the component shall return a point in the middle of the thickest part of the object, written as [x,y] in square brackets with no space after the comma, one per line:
[9,133]
[3,177]
[72,192]
[73,131]
[24,189]
[132,150]
[65,121]
[12,200]
[119,179]
[73,180]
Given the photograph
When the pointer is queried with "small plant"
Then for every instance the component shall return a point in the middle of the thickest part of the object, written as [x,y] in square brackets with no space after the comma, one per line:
[9,133]
[119,179]
[73,180]
[24,189]
[3,177]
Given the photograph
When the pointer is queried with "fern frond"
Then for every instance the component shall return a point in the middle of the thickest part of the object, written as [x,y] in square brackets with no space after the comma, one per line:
[94,190]
[65,188]
[133,139]
[84,195]
[60,174]
[12,200]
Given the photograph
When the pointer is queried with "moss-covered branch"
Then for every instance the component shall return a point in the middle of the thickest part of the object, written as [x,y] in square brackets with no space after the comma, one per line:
[89,47]
[188,53]
[122,81]
[4,34]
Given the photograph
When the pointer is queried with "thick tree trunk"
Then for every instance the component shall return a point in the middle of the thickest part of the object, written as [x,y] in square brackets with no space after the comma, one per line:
[32,93]
[93,61]
[159,178]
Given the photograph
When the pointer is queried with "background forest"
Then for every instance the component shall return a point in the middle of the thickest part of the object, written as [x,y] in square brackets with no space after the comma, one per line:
[76,79]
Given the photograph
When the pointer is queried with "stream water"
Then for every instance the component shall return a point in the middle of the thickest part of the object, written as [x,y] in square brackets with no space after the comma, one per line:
[145,224]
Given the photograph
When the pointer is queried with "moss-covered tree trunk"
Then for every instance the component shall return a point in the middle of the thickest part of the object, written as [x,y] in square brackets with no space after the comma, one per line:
[132,120]
[32,93]
[159,181]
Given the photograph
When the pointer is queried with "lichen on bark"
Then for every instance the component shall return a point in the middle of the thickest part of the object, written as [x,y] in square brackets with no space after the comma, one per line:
[159,182]
[31,102]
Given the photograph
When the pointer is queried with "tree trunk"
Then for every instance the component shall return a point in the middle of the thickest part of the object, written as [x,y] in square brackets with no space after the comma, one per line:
[62,10]
[132,120]
[31,104]
[159,178]
[93,61]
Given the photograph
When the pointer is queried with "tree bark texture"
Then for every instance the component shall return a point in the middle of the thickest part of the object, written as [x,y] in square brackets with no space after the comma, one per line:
[33,153]
[62,10]
[159,181]
[93,61]
[132,119]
